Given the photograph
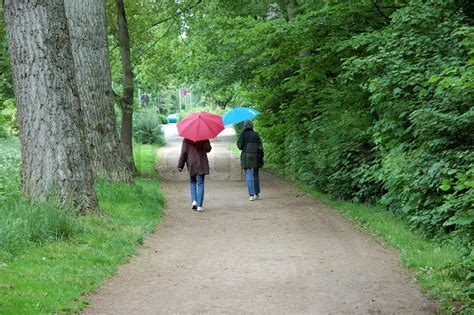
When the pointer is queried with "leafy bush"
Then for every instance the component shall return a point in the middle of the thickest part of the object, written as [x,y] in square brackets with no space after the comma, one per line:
[362,105]
[163,119]
[10,169]
[8,119]
[147,128]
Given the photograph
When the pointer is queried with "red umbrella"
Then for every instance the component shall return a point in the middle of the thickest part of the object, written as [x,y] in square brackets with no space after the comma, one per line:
[200,126]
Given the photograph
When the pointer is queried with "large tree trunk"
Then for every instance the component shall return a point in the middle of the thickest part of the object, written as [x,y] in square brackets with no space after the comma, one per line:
[126,101]
[87,28]
[55,160]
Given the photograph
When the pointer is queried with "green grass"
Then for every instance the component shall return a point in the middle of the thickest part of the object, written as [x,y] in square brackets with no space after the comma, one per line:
[145,157]
[50,259]
[439,267]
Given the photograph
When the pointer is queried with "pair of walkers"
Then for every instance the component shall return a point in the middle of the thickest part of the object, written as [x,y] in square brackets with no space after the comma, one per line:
[194,155]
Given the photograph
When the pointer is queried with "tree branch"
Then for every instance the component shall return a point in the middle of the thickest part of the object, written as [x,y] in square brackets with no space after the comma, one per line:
[174,15]
[380,11]
[162,36]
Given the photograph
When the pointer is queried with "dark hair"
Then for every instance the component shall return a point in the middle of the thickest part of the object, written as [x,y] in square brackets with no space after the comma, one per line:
[248,124]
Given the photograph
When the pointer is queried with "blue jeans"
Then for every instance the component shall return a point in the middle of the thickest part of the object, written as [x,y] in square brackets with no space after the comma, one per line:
[253,182]
[196,184]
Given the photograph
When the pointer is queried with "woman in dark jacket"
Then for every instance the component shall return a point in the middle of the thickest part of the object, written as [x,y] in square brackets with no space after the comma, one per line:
[251,158]
[194,155]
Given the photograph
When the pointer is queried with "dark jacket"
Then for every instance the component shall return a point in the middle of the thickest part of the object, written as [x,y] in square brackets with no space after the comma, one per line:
[252,149]
[194,154]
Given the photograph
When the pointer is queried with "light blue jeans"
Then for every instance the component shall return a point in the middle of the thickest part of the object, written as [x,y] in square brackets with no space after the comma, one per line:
[253,182]
[196,184]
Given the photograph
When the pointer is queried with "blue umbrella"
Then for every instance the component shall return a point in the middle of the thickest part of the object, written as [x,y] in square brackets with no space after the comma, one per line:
[239,114]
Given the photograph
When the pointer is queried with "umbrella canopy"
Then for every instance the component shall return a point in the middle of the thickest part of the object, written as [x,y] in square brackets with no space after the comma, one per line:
[200,126]
[239,114]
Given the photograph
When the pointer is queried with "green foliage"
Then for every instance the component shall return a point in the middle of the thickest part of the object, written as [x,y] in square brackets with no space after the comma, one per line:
[6,85]
[366,102]
[10,160]
[145,157]
[147,128]
[163,119]
[8,119]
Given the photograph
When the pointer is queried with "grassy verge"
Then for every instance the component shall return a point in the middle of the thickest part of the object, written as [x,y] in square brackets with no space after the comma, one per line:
[49,259]
[145,157]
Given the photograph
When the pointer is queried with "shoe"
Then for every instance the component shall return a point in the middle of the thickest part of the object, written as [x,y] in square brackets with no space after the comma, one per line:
[199,209]
[194,205]
[256,197]
[251,198]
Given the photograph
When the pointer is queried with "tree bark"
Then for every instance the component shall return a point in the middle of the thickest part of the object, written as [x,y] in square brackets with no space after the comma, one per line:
[87,28]
[55,160]
[126,101]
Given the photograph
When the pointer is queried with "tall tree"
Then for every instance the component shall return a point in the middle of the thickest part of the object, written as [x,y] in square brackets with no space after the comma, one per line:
[55,160]
[126,100]
[87,28]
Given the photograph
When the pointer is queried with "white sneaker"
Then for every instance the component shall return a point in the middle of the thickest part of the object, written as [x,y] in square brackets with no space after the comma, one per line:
[200,209]
[251,198]
[256,197]
[194,205]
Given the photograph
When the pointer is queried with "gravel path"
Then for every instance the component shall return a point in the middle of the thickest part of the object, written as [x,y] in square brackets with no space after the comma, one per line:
[283,254]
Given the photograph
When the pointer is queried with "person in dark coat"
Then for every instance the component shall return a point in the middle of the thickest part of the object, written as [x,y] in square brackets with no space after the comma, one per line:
[194,155]
[251,158]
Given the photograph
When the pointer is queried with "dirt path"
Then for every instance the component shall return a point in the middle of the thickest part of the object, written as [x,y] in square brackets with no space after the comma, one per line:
[283,254]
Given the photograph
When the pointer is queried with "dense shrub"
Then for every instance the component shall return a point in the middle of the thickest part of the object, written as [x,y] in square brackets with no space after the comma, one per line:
[163,119]
[368,101]
[8,119]
[147,128]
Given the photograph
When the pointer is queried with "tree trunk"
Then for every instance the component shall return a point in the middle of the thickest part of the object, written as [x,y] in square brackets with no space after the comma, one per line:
[55,160]
[87,28]
[126,101]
